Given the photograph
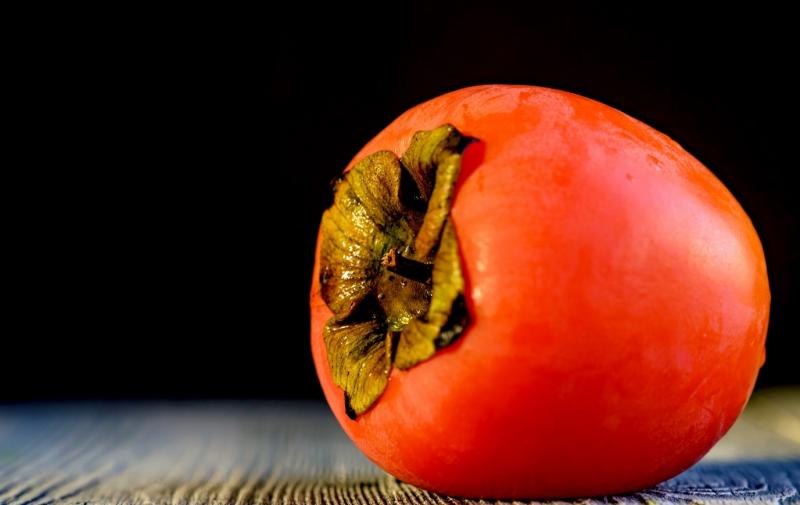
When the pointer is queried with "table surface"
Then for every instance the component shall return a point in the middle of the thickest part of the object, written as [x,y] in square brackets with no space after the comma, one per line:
[252,453]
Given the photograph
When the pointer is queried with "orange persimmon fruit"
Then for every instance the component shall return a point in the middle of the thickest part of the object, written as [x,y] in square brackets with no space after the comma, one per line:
[615,296]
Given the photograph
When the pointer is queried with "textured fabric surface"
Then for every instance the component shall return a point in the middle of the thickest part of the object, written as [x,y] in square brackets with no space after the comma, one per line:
[254,453]
[765,481]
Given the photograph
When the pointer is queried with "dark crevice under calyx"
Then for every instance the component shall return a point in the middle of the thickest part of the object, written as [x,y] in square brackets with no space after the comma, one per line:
[390,269]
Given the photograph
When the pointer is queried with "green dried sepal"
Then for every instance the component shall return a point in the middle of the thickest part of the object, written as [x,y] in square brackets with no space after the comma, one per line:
[426,151]
[366,219]
[447,317]
[434,161]
[360,357]
[390,273]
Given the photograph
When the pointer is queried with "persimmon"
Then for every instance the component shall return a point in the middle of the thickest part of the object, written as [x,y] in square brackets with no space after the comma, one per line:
[523,293]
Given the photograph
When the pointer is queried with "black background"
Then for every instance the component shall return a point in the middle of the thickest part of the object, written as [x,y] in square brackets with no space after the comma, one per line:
[180,164]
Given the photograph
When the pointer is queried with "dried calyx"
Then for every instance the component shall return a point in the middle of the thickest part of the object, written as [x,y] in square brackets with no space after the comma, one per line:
[390,270]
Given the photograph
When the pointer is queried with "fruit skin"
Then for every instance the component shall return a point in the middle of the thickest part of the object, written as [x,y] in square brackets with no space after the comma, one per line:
[619,302]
